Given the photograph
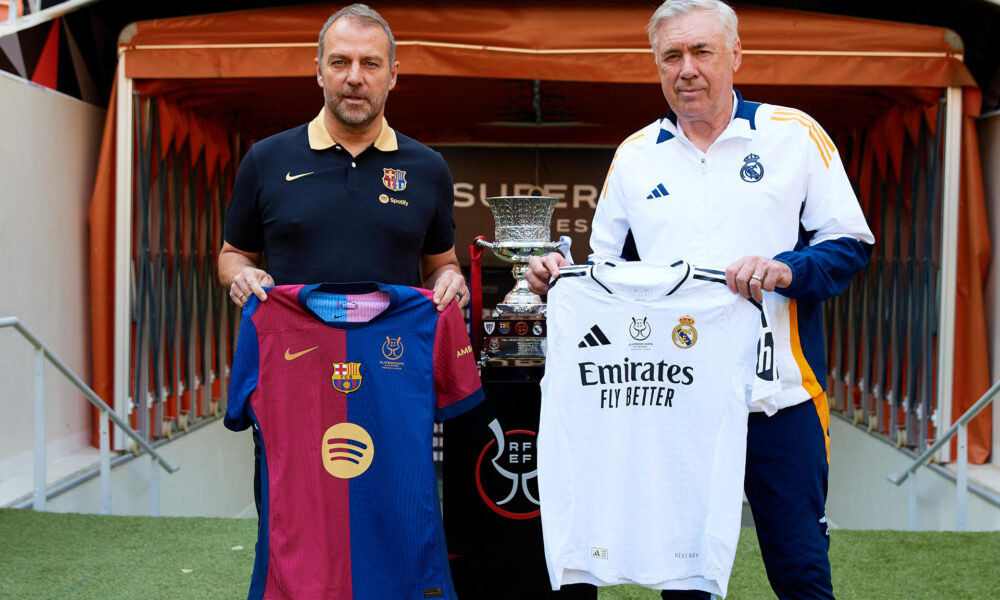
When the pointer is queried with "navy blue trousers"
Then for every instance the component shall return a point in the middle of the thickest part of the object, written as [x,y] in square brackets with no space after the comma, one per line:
[786,483]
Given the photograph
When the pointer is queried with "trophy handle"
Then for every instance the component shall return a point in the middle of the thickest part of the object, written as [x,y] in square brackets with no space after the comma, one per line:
[484,243]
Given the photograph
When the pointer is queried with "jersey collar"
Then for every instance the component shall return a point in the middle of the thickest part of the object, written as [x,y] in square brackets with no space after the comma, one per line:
[672,276]
[362,287]
[320,138]
[742,123]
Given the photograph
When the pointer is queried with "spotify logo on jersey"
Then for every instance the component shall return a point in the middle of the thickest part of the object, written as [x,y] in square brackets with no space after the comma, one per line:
[347,450]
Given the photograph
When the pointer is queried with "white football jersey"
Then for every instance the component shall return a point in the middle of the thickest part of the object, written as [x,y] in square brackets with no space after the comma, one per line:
[650,372]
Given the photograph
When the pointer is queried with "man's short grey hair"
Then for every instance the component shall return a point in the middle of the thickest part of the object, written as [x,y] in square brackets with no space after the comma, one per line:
[675,8]
[361,12]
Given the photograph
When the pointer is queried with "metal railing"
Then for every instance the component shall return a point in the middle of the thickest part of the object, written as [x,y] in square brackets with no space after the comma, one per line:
[960,427]
[42,352]
[18,20]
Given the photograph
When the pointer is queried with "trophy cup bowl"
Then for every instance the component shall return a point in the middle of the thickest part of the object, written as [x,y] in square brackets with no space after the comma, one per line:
[521,230]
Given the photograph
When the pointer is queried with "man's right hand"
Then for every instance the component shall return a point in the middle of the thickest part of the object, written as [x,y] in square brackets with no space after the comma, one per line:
[240,269]
[249,281]
[543,268]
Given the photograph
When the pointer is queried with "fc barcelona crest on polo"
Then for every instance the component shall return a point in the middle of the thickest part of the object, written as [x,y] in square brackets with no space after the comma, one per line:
[394,179]
[752,170]
[346,377]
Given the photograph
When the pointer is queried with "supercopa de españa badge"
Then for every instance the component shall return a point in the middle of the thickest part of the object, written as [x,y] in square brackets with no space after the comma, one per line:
[685,335]
[346,376]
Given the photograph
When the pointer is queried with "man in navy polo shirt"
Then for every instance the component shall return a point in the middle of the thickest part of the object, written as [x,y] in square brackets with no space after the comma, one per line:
[344,197]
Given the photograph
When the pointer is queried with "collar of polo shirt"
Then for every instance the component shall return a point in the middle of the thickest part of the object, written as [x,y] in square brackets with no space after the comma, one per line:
[742,121]
[320,139]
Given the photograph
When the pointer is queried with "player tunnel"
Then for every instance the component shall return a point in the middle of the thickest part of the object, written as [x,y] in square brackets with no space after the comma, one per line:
[524,97]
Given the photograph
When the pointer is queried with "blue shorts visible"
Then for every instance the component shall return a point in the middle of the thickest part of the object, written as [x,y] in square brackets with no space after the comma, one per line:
[786,484]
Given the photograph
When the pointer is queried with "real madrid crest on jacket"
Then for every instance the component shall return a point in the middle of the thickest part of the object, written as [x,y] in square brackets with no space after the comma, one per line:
[344,382]
[650,373]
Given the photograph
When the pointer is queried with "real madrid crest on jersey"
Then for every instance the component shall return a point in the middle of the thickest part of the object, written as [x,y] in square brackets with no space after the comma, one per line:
[394,179]
[752,170]
[685,335]
[346,376]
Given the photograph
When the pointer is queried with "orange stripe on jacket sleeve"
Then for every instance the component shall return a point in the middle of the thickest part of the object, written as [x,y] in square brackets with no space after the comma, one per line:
[819,145]
[607,178]
[812,124]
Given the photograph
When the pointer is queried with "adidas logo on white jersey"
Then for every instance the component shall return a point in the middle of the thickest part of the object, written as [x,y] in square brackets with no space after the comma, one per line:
[596,337]
[658,192]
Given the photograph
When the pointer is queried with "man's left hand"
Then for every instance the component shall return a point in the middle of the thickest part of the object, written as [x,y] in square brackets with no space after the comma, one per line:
[450,285]
[751,275]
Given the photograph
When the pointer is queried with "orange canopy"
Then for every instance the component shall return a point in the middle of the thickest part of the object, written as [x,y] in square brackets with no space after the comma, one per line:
[466,71]
[587,42]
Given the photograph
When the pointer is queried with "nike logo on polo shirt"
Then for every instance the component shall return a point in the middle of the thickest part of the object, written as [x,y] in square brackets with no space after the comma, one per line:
[290,177]
[290,356]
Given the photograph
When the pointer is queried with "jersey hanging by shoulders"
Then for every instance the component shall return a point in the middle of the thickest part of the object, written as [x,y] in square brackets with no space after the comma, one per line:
[650,373]
[344,382]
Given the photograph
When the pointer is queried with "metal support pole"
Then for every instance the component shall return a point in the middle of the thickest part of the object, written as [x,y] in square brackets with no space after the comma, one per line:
[962,481]
[105,464]
[40,484]
[911,503]
[949,260]
[123,245]
[154,488]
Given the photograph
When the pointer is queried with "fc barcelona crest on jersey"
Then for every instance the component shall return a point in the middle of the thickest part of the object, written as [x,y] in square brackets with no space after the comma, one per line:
[394,179]
[752,170]
[685,335]
[346,377]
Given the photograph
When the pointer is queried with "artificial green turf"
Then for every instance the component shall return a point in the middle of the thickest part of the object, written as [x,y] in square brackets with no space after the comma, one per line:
[60,556]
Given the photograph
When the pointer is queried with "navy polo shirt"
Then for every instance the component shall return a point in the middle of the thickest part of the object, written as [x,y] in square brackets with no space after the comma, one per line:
[320,215]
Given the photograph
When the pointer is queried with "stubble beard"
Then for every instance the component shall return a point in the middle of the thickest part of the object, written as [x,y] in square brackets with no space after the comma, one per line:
[352,117]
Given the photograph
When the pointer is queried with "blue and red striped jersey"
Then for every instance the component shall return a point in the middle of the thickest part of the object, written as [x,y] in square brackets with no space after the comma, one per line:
[344,382]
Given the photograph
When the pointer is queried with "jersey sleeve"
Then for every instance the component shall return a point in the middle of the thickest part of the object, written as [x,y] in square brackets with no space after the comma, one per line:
[440,235]
[245,372]
[835,239]
[610,227]
[456,379]
[243,227]
[765,383]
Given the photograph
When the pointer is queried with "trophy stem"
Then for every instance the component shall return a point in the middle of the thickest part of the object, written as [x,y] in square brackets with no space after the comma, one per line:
[520,299]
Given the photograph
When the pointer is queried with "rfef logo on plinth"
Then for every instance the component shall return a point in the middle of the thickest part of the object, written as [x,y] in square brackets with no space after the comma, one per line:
[508,480]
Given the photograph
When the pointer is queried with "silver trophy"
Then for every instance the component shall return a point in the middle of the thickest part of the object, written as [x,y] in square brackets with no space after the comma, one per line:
[517,328]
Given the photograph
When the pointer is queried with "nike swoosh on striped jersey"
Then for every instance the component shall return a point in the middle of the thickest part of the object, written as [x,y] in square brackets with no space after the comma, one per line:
[290,177]
[292,356]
